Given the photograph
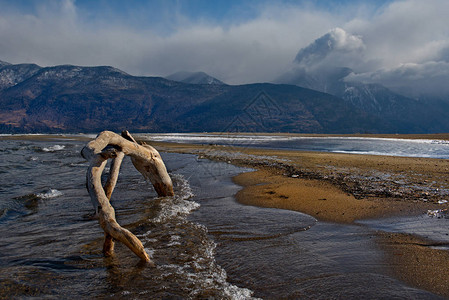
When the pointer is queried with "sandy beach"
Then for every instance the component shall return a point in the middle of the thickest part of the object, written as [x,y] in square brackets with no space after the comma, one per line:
[343,188]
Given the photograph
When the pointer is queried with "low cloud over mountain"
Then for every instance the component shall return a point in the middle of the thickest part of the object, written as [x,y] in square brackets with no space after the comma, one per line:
[334,49]
[339,63]
[342,56]
[424,80]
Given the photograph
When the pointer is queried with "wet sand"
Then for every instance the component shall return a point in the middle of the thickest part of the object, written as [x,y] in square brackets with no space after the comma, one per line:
[320,199]
[415,261]
[343,188]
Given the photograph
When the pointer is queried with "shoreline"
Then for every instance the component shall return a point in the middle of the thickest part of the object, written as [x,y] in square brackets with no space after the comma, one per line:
[317,198]
[343,188]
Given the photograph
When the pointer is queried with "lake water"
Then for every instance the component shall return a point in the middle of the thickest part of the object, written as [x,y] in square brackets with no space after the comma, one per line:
[204,243]
[354,145]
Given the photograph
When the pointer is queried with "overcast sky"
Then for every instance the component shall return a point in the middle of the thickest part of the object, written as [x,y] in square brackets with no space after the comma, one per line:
[393,42]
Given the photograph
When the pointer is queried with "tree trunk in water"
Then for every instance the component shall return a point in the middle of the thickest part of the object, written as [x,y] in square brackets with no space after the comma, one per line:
[146,159]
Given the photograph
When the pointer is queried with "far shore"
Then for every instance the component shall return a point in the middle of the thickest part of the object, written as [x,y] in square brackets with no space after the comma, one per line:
[85,136]
[423,136]
[342,188]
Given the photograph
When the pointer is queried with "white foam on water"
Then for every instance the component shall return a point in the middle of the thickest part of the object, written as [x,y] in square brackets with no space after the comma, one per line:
[150,252]
[197,267]
[174,240]
[178,205]
[202,273]
[53,148]
[171,209]
[52,193]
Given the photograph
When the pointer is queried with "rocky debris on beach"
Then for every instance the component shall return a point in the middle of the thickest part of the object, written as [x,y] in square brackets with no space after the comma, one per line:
[438,213]
[360,183]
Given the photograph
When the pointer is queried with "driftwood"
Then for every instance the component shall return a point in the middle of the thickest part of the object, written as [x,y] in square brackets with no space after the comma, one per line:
[146,159]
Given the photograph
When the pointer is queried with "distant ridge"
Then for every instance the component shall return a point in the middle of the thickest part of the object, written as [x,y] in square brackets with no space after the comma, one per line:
[11,75]
[72,99]
[3,63]
[194,78]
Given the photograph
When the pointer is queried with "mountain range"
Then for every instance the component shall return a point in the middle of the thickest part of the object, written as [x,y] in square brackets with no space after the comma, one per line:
[73,99]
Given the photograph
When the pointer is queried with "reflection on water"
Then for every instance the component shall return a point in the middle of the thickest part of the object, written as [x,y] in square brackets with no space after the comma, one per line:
[204,244]
[425,226]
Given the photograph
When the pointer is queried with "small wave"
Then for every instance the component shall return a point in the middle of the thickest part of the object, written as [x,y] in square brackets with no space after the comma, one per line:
[204,281]
[150,252]
[171,208]
[80,164]
[188,252]
[52,193]
[53,148]
[179,205]
[174,240]
[201,272]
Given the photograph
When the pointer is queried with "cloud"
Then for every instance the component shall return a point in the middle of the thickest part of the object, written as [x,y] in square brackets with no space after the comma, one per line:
[409,42]
[381,44]
[405,47]
[253,50]
[411,79]
[327,60]
[404,31]
[336,48]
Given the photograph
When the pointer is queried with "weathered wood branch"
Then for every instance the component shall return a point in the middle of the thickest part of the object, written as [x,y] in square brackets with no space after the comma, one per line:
[145,158]
[113,174]
[147,161]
